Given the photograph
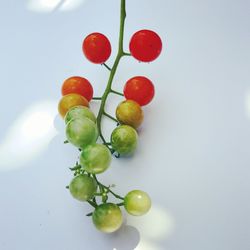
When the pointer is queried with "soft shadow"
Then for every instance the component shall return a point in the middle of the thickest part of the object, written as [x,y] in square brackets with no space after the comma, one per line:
[126,238]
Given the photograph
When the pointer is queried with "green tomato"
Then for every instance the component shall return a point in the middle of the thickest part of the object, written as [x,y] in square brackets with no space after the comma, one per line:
[124,139]
[95,158]
[83,187]
[79,112]
[107,217]
[81,132]
[137,202]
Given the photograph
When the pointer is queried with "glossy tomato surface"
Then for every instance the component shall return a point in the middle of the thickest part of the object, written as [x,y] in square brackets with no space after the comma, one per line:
[145,45]
[79,112]
[97,48]
[69,101]
[78,85]
[139,89]
[130,113]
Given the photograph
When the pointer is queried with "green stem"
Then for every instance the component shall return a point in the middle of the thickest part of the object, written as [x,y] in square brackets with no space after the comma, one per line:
[119,55]
[116,92]
[96,98]
[106,66]
[112,118]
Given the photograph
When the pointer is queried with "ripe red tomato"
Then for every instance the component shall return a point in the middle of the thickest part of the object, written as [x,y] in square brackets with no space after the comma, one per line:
[78,85]
[97,48]
[145,45]
[139,89]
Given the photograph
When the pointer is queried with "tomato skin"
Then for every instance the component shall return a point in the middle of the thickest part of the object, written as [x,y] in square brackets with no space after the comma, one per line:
[124,140]
[139,89]
[69,101]
[107,217]
[145,45]
[97,48]
[83,187]
[79,112]
[137,202]
[78,85]
[81,132]
[95,158]
[130,113]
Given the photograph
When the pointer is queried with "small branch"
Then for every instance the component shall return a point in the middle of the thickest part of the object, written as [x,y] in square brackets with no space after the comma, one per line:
[126,54]
[120,204]
[116,92]
[93,204]
[89,214]
[96,98]
[66,141]
[106,66]
[111,117]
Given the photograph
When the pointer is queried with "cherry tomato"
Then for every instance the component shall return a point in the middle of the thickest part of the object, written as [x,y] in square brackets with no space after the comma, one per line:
[130,113]
[79,112]
[83,187]
[137,202]
[145,45]
[78,85]
[69,101]
[124,139]
[107,217]
[139,89]
[81,132]
[97,48]
[95,158]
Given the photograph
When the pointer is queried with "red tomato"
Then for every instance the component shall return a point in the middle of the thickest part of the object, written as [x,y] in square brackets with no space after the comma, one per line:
[97,48]
[145,45]
[78,85]
[139,89]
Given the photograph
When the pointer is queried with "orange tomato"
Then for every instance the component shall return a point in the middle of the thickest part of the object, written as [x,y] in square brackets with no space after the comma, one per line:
[69,101]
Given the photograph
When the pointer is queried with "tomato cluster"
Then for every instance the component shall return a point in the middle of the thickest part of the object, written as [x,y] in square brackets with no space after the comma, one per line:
[83,130]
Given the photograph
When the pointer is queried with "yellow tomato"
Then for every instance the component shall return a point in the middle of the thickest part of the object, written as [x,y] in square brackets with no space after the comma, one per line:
[69,101]
[129,113]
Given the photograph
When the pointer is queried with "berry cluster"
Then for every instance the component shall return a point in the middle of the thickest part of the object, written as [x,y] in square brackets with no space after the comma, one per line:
[83,127]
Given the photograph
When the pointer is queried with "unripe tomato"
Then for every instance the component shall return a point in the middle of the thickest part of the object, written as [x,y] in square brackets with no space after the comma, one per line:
[95,158]
[124,139]
[78,85]
[69,101]
[97,48]
[81,132]
[137,202]
[83,187]
[107,217]
[130,113]
[139,89]
[79,112]
[145,45]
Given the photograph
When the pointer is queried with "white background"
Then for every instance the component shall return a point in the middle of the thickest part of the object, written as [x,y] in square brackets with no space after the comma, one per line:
[193,156]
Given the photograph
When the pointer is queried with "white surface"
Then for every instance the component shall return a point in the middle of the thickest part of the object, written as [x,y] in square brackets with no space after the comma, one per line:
[193,158]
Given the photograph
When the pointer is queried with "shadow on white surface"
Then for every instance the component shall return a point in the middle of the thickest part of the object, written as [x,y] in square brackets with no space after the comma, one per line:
[28,136]
[53,5]
[158,224]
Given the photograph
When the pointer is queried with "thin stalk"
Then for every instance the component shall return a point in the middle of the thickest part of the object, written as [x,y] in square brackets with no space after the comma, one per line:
[110,117]
[106,66]
[116,92]
[119,55]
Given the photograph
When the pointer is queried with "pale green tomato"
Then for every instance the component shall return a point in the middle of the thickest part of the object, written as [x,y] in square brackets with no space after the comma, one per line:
[83,187]
[95,158]
[107,217]
[81,132]
[124,139]
[79,112]
[137,202]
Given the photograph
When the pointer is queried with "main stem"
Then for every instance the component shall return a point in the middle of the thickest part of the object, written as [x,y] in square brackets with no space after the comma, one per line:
[120,54]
